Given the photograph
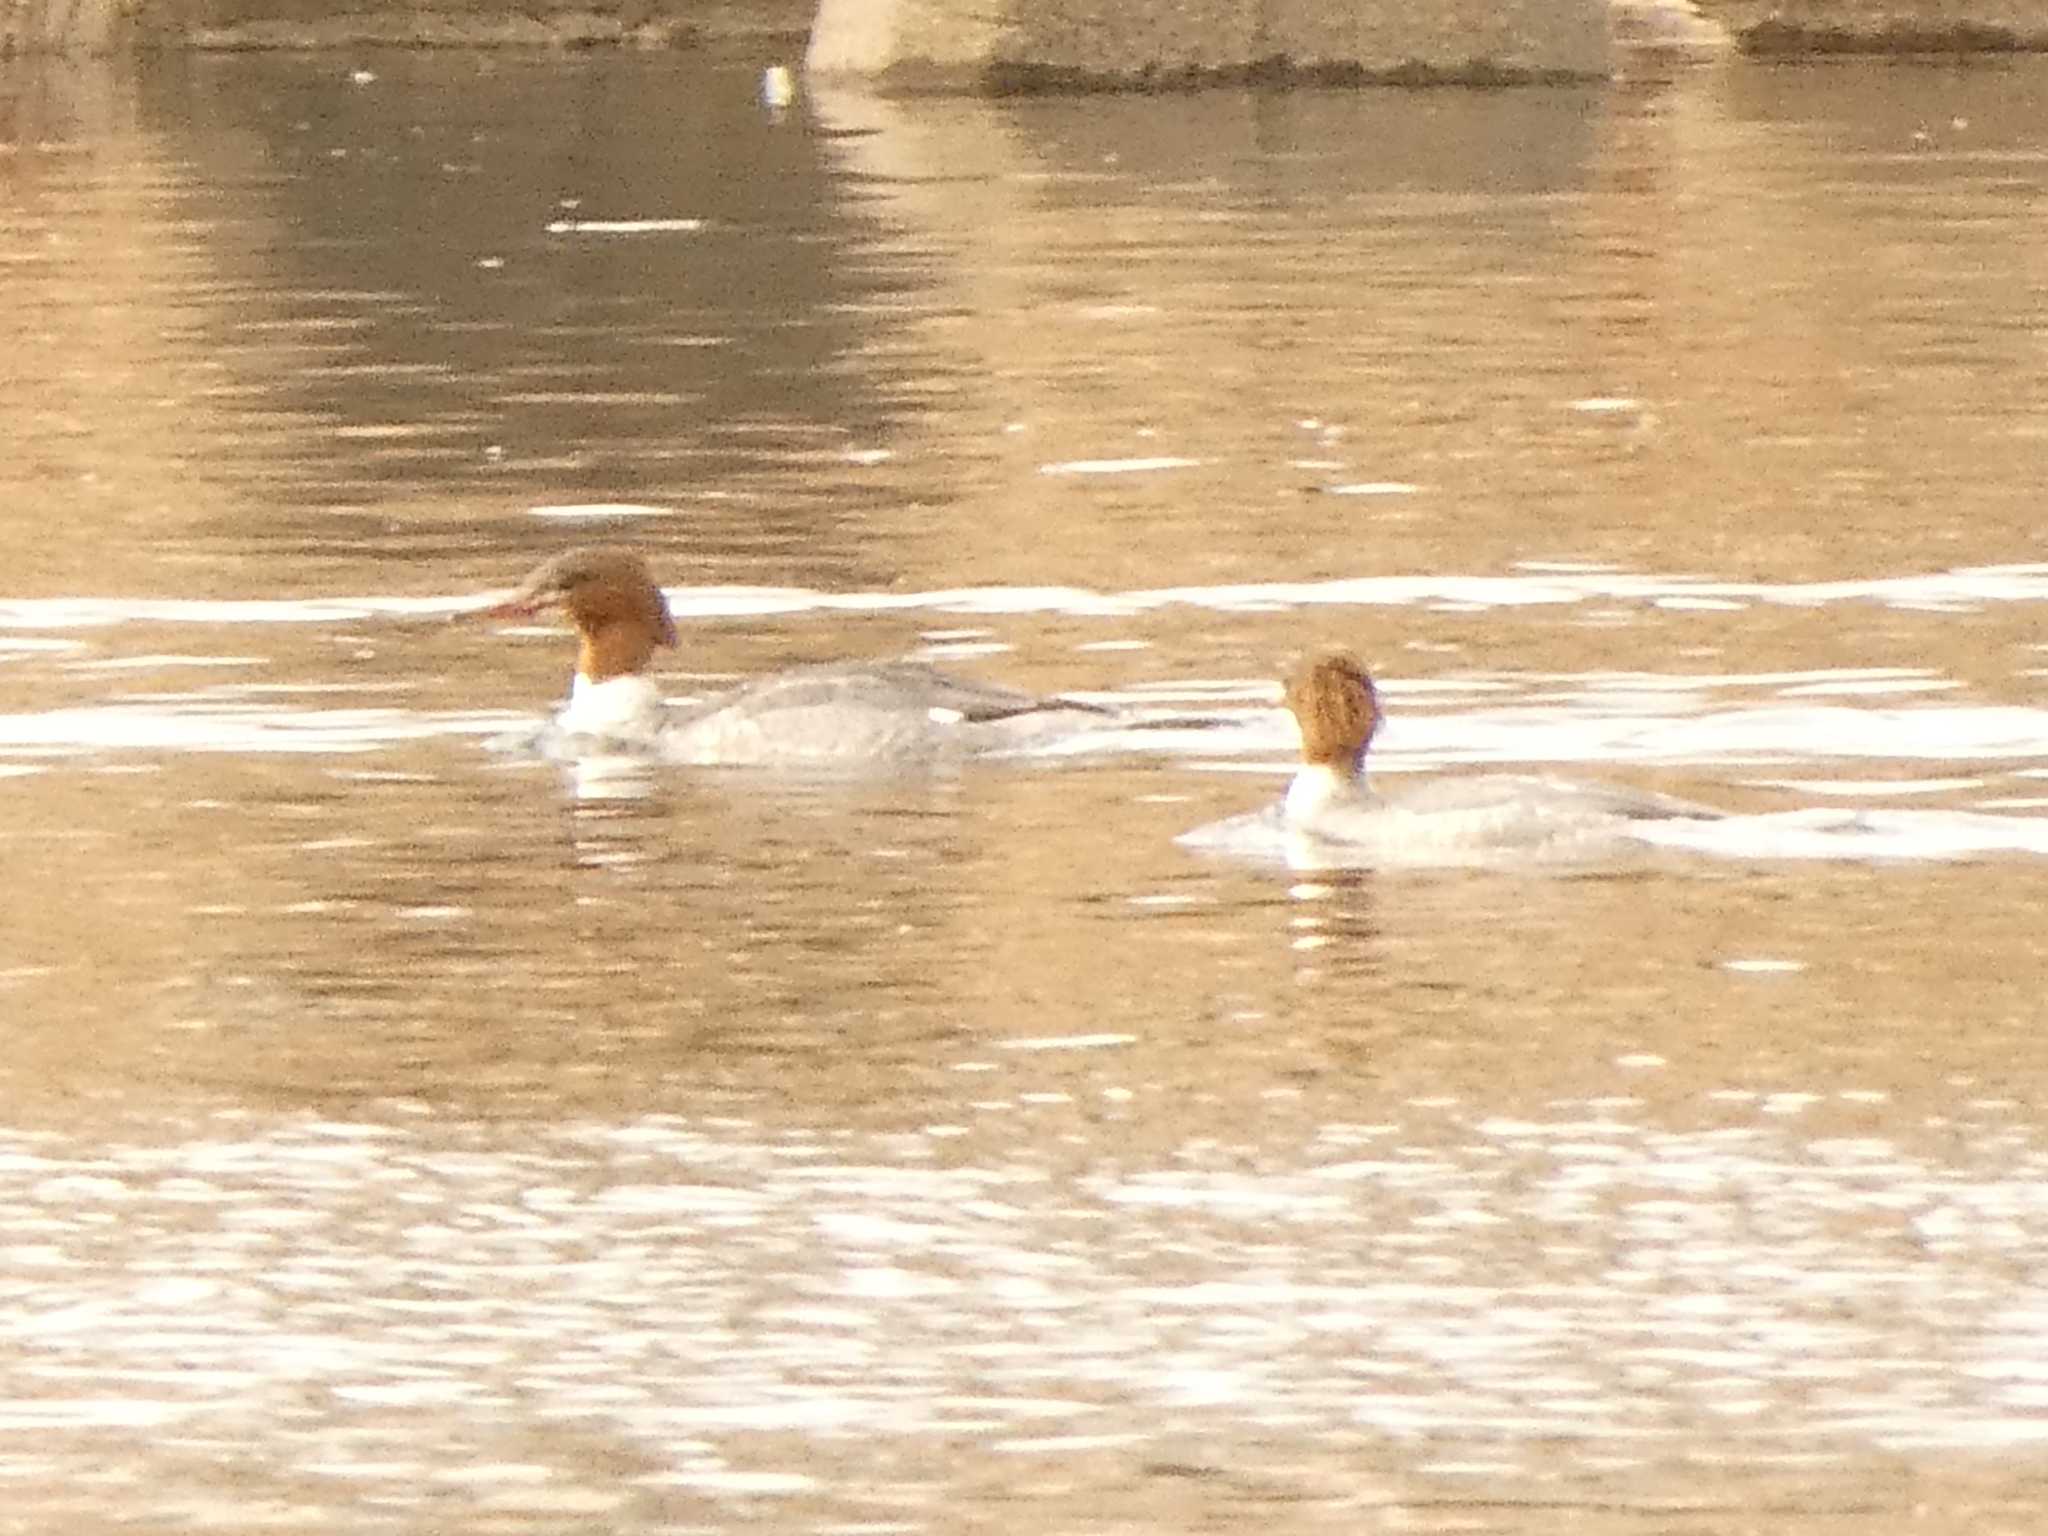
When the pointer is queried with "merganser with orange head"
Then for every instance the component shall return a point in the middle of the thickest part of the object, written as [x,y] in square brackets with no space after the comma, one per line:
[834,714]
[1330,813]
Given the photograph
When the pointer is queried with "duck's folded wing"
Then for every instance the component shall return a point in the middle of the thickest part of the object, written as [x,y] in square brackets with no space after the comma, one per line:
[970,698]
[905,687]
[1550,797]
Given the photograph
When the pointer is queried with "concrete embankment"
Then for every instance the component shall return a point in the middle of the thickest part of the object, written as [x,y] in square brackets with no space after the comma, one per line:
[98,26]
[1055,44]
[1883,26]
[1049,44]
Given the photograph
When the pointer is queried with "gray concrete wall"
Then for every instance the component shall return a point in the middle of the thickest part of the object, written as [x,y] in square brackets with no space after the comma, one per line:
[1026,44]
[91,26]
[1051,43]
[1883,26]
[1048,42]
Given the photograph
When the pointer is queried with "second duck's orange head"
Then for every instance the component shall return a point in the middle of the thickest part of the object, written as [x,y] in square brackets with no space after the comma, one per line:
[1336,706]
[619,612]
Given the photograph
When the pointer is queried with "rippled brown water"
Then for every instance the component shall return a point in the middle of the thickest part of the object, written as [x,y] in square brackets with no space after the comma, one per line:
[397,1137]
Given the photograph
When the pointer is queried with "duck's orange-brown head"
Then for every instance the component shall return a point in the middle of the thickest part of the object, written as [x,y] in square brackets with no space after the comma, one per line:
[1336,706]
[608,594]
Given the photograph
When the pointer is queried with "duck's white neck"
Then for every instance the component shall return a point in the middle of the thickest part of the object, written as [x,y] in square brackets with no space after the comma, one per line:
[626,705]
[1320,786]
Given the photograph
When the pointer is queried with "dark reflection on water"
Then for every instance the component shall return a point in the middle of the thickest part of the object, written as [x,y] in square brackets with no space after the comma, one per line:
[398,1137]
[508,278]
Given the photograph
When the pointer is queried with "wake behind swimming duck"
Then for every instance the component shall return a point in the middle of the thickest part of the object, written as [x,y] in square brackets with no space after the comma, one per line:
[1330,813]
[840,714]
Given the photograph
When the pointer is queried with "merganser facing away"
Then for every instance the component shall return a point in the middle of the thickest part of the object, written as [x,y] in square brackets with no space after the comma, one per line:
[1331,815]
[837,714]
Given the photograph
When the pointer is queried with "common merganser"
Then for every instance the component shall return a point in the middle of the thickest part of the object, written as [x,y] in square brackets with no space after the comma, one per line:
[834,714]
[1330,813]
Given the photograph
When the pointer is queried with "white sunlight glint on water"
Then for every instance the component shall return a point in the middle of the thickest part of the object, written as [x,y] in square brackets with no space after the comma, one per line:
[1985,586]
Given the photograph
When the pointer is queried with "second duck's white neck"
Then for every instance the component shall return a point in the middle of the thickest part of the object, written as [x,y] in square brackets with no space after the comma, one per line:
[627,705]
[1318,787]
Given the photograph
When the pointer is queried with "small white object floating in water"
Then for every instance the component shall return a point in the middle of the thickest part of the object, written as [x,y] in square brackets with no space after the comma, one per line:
[1664,24]
[624,226]
[1116,466]
[1373,488]
[778,87]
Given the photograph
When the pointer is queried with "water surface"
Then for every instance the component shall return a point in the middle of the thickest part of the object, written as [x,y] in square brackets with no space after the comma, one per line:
[398,1137]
